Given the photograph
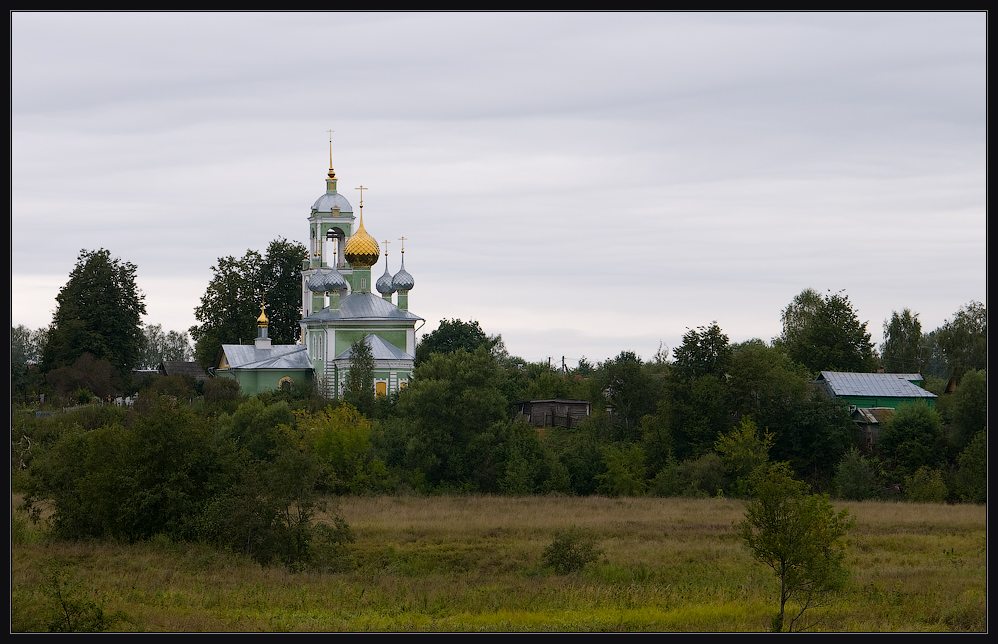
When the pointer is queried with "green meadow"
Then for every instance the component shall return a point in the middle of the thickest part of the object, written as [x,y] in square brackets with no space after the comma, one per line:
[474,563]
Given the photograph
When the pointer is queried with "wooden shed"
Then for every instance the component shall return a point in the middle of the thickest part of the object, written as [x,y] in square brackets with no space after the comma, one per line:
[554,412]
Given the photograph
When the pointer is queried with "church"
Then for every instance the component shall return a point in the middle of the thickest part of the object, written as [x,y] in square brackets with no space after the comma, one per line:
[339,308]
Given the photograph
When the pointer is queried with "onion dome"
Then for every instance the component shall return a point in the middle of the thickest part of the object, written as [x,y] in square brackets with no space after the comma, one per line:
[325,282]
[403,280]
[361,249]
[335,281]
[317,283]
[384,284]
[262,320]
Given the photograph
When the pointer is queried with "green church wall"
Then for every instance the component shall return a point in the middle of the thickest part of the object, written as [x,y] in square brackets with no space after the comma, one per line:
[346,337]
[253,381]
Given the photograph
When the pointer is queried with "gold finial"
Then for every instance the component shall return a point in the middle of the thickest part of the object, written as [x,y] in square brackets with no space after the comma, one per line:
[386,247]
[401,239]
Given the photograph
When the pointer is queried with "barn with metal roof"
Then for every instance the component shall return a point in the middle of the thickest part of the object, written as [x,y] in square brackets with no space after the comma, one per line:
[870,390]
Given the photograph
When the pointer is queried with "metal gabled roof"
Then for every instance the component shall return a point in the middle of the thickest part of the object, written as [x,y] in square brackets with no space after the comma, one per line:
[894,385]
[362,306]
[278,356]
[381,349]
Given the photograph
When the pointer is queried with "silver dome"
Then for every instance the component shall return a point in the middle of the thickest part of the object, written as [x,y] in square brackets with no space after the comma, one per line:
[402,281]
[384,284]
[328,201]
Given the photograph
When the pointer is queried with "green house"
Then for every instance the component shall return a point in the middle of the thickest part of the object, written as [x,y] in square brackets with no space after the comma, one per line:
[872,390]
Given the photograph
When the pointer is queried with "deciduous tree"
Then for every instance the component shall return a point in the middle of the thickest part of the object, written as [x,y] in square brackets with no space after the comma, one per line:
[913,437]
[798,535]
[160,346]
[451,399]
[98,312]
[825,334]
[231,304]
[453,335]
[902,347]
[964,339]
[743,450]
[705,352]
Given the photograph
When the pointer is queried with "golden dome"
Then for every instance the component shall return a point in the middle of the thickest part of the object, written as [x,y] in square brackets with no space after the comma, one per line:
[262,320]
[361,249]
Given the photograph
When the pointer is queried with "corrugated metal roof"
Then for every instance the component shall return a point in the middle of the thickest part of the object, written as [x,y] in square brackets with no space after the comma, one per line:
[894,385]
[362,306]
[381,349]
[278,356]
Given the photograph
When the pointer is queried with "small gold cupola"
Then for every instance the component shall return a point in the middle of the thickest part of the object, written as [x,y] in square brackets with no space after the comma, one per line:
[262,337]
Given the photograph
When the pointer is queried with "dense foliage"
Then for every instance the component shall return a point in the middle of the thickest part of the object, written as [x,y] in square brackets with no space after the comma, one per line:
[98,312]
[452,335]
[231,304]
[824,333]
[192,462]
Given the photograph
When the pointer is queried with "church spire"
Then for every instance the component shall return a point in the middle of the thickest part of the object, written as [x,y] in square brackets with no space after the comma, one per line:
[331,177]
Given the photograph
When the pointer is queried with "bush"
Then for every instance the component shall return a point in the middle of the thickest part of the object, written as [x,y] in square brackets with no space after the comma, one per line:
[972,472]
[68,608]
[571,550]
[625,474]
[925,486]
[697,478]
[221,390]
[855,478]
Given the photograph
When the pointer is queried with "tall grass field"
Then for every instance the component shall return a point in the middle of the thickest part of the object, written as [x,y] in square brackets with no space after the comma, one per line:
[475,563]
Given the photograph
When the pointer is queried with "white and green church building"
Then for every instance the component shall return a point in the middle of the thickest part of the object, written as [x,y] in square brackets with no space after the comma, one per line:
[339,307]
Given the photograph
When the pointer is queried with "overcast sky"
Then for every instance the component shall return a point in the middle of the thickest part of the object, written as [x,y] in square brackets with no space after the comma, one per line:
[582,183]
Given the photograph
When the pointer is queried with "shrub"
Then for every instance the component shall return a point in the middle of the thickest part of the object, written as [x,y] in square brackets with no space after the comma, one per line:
[218,390]
[625,474]
[855,477]
[696,478]
[925,486]
[972,473]
[68,608]
[571,550]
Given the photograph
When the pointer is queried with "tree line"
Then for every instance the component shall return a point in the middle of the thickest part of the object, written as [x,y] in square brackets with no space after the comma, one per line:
[689,422]
[203,462]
